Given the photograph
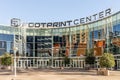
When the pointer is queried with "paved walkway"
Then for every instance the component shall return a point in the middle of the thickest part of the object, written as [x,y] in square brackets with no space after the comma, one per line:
[57,74]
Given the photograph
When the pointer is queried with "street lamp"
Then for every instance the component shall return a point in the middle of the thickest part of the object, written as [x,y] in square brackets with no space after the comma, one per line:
[15,50]
[15,22]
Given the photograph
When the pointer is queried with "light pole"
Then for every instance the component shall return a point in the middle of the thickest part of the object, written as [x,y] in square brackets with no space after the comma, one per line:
[15,50]
[52,51]
[15,22]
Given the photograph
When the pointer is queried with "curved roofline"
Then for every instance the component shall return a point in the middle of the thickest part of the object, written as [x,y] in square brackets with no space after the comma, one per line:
[96,20]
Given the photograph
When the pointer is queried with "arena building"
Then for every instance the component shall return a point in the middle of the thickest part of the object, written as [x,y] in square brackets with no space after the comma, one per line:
[98,33]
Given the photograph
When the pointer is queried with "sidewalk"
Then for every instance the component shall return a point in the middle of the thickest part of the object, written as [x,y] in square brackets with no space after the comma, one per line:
[51,74]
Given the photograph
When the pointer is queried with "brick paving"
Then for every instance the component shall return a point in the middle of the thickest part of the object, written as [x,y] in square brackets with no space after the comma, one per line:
[57,74]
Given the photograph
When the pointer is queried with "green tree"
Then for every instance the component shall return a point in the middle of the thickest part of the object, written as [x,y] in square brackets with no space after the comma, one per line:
[90,58]
[107,60]
[66,60]
[6,59]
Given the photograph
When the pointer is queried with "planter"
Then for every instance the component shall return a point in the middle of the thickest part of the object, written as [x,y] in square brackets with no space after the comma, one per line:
[106,73]
[61,68]
[9,67]
[100,71]
[6,67]
[103,71]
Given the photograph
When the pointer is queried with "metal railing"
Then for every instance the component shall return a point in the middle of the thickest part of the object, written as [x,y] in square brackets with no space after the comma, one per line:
[46,62]
[58,62]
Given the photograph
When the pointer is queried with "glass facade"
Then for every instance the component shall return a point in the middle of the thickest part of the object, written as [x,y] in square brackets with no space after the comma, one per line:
[6,43]
[63,41]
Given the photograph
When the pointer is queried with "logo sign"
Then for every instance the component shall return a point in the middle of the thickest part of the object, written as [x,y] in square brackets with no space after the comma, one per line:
[15,22]
[83,20]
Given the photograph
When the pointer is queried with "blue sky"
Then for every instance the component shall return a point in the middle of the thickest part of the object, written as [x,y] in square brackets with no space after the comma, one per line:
[52,10]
